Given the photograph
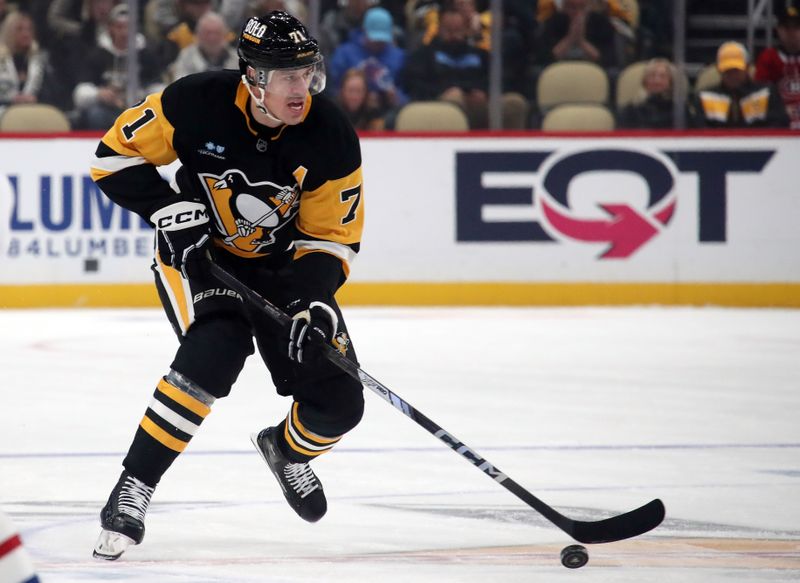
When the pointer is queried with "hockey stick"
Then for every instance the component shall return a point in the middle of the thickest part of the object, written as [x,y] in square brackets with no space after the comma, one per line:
[619,527]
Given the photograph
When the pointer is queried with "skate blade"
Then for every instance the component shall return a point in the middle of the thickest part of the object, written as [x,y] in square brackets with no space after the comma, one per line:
[254,439]
[110,545]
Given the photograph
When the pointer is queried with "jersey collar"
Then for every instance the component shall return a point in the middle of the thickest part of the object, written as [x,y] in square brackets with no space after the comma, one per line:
[242,97]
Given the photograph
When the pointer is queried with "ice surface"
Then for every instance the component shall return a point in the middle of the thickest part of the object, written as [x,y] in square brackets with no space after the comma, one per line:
[594,410]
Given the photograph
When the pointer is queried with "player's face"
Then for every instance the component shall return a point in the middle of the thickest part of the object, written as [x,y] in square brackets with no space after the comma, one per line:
[286,93]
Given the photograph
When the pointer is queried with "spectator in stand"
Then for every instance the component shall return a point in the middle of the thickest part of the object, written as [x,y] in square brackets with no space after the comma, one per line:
[738,102]
[339,23]
[517,34]
[100,95]
[296,8]
[653,107]
[73,20]
[76,27]
[177,26]
[5,10]
[577,32]
[781,65]
[24,68]
[357,104]
[479,24]
[373,51]
[450,69]
[210,52]
[655,33]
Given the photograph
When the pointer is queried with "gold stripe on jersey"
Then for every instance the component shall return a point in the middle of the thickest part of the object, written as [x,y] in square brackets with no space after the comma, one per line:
[329,213]
[179,293]
[756,105]
[242,95]
[715,105]
[300,175]
[102,167]
[143,131]
[304,441]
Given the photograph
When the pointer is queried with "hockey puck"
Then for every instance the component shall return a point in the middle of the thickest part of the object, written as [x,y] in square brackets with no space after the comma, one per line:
[574,556]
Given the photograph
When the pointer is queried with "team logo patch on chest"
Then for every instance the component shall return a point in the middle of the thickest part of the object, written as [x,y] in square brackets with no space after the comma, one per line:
[249,213]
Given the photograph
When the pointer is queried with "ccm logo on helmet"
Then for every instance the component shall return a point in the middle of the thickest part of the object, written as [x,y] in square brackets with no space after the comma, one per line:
[180,215]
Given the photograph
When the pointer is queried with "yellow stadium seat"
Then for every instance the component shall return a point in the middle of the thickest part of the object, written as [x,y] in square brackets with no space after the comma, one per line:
[578,117]
[571,82]
[431,116]
[33,117]
[708,77]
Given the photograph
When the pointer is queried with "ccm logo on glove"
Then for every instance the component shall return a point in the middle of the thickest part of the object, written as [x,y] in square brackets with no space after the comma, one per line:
[182,235]
[180,215]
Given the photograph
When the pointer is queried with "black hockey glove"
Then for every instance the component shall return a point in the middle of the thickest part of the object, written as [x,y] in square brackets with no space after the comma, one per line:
[182,236]
[313,324]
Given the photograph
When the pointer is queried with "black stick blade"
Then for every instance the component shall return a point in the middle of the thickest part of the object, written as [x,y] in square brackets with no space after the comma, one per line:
[628,525]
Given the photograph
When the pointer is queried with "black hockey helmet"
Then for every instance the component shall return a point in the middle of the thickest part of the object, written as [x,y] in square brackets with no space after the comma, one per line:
[276,41]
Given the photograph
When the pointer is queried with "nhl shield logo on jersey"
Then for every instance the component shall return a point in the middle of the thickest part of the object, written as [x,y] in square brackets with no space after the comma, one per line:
[249,213]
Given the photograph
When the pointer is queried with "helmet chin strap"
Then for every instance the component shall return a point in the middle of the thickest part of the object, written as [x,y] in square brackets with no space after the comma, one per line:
[258,100]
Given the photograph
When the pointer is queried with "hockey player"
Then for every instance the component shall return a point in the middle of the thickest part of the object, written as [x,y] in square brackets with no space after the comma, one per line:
[270,189]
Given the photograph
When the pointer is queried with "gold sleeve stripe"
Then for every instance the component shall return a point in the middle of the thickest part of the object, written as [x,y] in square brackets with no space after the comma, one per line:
[162,436]
[117,163]
[179,293]
[143,131]
[195,406]
[334,211]
[295,420]
[98,174]
[102,167]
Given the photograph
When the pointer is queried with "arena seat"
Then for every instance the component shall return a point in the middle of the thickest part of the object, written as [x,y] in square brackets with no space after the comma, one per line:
[431,116]
[571,82]
[707,77]
[33,117]
[578,117]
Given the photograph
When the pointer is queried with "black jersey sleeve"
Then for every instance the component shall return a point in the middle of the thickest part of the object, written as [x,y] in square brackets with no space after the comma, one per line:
[331,217]
[125,162]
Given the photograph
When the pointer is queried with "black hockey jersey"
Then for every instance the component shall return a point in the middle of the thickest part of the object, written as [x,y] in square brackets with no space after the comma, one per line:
[267,189]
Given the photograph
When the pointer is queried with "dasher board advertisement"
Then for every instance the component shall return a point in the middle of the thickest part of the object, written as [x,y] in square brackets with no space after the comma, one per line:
[527,210]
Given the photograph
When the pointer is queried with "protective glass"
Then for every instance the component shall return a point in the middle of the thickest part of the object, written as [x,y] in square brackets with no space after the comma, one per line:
[288,82]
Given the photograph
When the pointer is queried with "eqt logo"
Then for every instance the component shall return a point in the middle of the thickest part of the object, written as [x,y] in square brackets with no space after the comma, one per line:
[624,223]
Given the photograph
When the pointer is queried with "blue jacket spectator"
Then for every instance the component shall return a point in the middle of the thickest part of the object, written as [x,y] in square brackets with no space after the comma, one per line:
[372,50]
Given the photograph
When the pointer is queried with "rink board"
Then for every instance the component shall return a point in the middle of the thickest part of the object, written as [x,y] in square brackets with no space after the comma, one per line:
[465,220]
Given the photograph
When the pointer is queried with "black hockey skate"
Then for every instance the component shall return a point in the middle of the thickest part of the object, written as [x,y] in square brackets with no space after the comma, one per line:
[122,518]
[300,485]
